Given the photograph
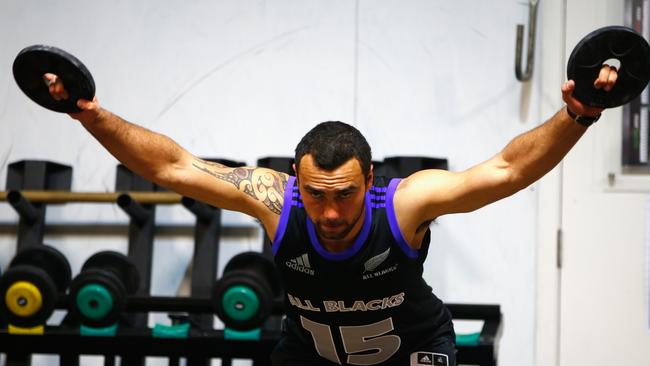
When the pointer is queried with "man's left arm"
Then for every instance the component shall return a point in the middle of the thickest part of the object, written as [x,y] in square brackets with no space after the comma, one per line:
[429,194]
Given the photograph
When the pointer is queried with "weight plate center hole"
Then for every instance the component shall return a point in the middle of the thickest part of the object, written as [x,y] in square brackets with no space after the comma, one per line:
[613,62]
[93,304]
[22,301]
[240,306]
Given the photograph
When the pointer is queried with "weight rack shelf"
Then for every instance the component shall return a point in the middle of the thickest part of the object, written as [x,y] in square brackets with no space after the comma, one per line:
[139,342]
[202,343]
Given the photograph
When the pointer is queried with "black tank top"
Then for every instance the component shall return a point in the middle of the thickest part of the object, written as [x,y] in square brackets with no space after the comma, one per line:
[368,305]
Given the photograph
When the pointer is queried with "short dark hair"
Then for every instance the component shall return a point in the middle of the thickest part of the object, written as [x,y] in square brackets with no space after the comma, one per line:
[332,143]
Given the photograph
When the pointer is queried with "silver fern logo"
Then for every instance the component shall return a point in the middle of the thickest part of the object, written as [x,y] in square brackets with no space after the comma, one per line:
[374,262]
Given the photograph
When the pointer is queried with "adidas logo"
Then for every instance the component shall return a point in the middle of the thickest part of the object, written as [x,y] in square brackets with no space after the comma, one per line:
[301,264]
[425,360]
[429,358]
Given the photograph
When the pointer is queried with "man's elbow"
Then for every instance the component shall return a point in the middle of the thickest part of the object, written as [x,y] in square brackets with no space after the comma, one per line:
[169,176]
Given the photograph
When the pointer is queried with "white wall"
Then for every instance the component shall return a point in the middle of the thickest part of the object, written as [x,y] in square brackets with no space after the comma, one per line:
[594,310]
[603,298]
[246,79]
[552,69]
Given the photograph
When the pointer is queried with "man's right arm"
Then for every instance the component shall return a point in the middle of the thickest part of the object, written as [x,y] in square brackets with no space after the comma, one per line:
[258,192]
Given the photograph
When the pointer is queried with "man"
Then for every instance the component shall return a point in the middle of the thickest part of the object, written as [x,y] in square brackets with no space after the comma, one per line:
[349,246]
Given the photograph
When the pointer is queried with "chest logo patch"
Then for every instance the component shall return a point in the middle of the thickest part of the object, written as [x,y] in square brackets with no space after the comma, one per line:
[374,262]
[371,265]
[301,264]
[429,358]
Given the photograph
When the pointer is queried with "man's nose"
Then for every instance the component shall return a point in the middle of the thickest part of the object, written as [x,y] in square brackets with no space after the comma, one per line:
[331,212]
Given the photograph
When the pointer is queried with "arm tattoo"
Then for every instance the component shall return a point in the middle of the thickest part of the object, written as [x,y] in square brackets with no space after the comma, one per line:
[271,188]
[263,185]
[212,163]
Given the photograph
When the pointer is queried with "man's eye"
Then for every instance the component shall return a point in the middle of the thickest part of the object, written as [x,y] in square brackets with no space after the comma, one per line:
[316,195]
[344,195]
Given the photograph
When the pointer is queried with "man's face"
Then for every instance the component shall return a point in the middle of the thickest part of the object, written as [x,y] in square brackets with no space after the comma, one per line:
[333,199]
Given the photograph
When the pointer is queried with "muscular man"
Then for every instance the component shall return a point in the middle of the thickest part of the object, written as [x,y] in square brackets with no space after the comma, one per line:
[349,246]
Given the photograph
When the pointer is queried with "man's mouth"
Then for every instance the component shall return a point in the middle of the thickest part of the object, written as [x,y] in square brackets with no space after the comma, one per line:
[331,226]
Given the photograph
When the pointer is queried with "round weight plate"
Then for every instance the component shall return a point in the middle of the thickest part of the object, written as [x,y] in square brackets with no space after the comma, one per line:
[50,260]
[33,62]
[94,301]
[44,285]
[91,304]
[240,303]
[259,264]
[613,42]
[23,299]
[117,263]
[242,278]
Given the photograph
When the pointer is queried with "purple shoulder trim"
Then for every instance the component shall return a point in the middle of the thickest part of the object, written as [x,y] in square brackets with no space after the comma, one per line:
[284,214]
[358,243]
[392,220]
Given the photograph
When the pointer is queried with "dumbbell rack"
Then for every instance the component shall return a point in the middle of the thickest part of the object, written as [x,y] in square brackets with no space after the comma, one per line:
[198,342]
[133,340]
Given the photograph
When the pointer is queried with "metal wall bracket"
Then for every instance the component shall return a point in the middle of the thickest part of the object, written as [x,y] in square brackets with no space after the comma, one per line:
[532,30]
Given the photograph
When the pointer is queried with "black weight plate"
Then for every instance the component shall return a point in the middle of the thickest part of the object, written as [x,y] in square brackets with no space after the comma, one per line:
[119,264]
[104,278]
[33,62]
[587,58]
[258,263]
[48,258]
[45,285]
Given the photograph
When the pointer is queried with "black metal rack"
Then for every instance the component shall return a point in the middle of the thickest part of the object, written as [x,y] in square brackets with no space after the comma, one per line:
[209,343]
[133,340]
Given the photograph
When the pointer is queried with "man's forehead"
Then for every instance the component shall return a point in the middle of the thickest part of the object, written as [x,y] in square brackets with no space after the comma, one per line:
[348,175]
[330,182]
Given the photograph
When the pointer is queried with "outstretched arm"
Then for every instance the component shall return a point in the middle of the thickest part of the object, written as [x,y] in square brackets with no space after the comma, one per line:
[428,194]
[258,192]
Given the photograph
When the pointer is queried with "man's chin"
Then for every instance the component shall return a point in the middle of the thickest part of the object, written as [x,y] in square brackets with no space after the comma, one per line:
[332,235]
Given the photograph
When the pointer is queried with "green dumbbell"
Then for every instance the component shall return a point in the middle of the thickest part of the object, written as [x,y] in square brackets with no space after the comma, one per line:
[243,297]
[99,293]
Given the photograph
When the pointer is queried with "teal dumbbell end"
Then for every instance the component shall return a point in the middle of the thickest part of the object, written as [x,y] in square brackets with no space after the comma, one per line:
[94,301]
[470,339]
[109,331]
[240,303]
[178,331]
[243,335]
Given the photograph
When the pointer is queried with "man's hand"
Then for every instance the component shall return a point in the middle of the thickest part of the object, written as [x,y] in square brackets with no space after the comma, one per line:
[89,109]
[606,80]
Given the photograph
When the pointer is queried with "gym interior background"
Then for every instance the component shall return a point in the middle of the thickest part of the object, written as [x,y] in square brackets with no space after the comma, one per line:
[246,79]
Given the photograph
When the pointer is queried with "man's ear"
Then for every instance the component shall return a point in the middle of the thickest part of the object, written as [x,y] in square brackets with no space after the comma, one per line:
[295,171]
